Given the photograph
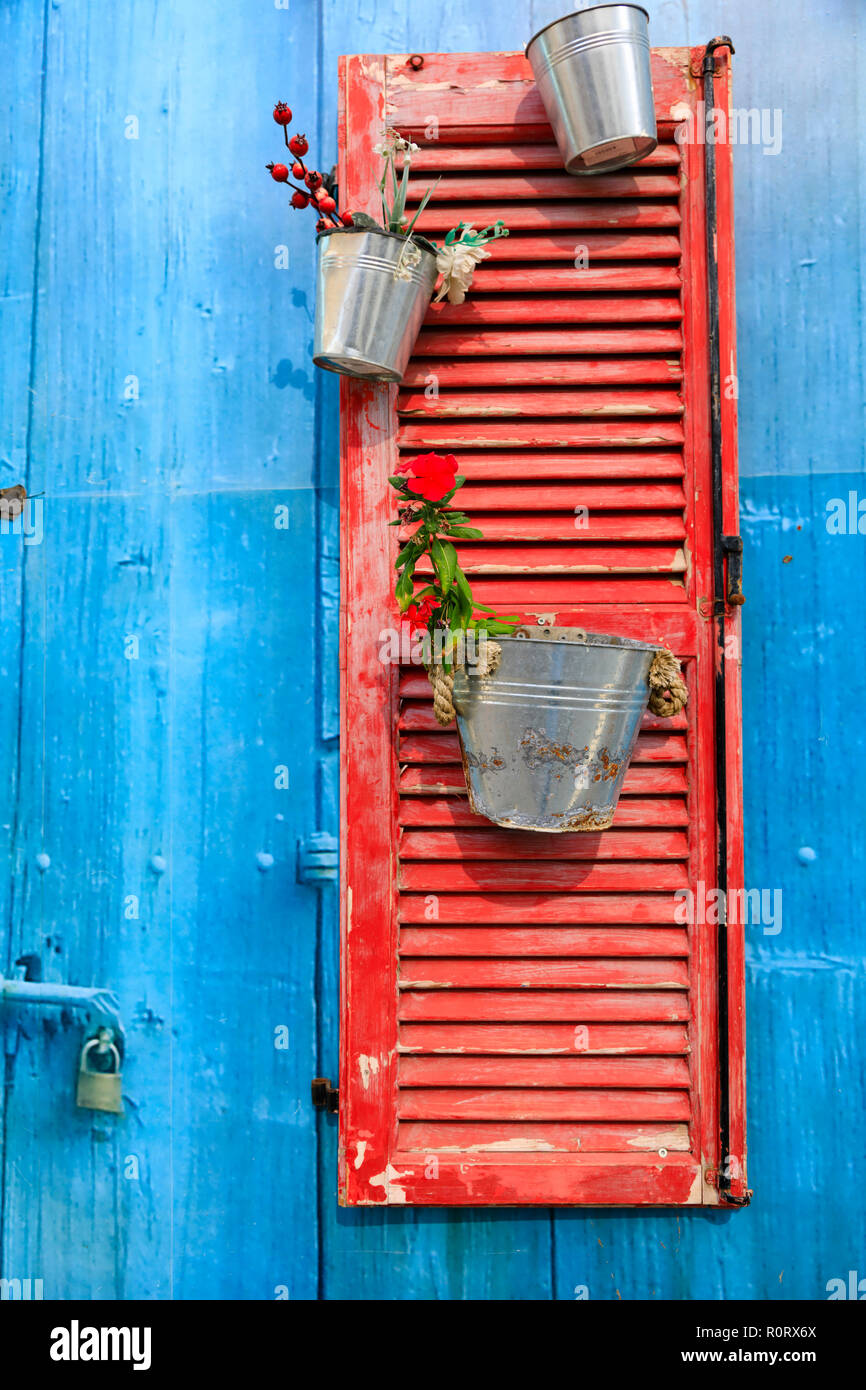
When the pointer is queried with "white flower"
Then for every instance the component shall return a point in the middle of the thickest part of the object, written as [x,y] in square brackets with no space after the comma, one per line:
[456,264]
[393,143]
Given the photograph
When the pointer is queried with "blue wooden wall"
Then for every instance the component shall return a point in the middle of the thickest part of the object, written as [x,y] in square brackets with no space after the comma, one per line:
[169,647]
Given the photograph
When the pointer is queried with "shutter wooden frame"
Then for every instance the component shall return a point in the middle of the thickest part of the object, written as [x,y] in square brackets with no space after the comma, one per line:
[478,97]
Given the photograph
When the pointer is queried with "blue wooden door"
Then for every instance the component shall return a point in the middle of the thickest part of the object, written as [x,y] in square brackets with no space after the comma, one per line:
[161,735]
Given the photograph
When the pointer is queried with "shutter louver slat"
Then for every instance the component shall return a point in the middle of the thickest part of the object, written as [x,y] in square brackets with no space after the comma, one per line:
[476,844]
[546,996]
[492,1137]
[490,1039]
[538,188]
[479,159]
[598,214]
[521,341]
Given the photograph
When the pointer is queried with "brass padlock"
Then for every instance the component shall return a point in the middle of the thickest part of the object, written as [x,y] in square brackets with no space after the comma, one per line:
[100,1090]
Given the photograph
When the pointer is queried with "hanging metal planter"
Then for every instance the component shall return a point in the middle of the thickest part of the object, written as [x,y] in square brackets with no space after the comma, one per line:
[373,291]
[546,735]
[593,72]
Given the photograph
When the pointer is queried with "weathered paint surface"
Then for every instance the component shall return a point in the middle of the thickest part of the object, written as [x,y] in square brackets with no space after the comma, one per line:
[155,778]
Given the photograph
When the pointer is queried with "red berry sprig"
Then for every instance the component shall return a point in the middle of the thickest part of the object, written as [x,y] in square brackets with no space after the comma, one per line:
[314,194]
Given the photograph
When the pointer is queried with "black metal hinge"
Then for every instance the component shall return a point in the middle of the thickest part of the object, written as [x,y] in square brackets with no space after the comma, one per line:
[722,1186]
[325,1096]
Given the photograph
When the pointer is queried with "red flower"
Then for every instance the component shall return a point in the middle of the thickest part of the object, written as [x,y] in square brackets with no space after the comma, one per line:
[419,614]
[433,475]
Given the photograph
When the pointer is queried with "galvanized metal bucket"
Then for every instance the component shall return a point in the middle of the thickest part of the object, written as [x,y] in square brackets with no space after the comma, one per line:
[372,294]
[546,740]
[593,72]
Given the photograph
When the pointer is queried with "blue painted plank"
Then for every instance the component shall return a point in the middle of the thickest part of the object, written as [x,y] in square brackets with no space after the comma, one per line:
[171,419]
[90,810]
[242,716]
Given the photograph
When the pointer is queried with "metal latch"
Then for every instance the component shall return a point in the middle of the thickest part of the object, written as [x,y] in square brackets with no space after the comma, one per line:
[318,858]
[325,1096]
[99,1073]
[30,991]
[733,549]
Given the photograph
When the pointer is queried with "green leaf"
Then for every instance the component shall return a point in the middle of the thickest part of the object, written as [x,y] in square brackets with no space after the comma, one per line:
[404,589]
[464,599]
[470,533]
[502,627]
[363,219]
[399,204]
[422,205]
[410,551]
[445,563]
[462,583]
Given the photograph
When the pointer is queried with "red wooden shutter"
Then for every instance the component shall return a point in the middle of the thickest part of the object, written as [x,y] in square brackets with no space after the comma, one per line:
[524,1019]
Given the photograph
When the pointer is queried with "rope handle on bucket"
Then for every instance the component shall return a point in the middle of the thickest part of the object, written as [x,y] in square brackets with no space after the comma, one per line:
[668,690]
[443,681]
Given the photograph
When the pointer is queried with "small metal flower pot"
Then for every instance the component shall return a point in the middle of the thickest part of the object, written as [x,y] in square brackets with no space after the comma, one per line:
[593,72]
[372,294]
[546,740]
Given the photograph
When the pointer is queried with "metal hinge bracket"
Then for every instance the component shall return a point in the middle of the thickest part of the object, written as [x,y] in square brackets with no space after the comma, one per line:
[318,858]
[728,1198]
[732,547]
